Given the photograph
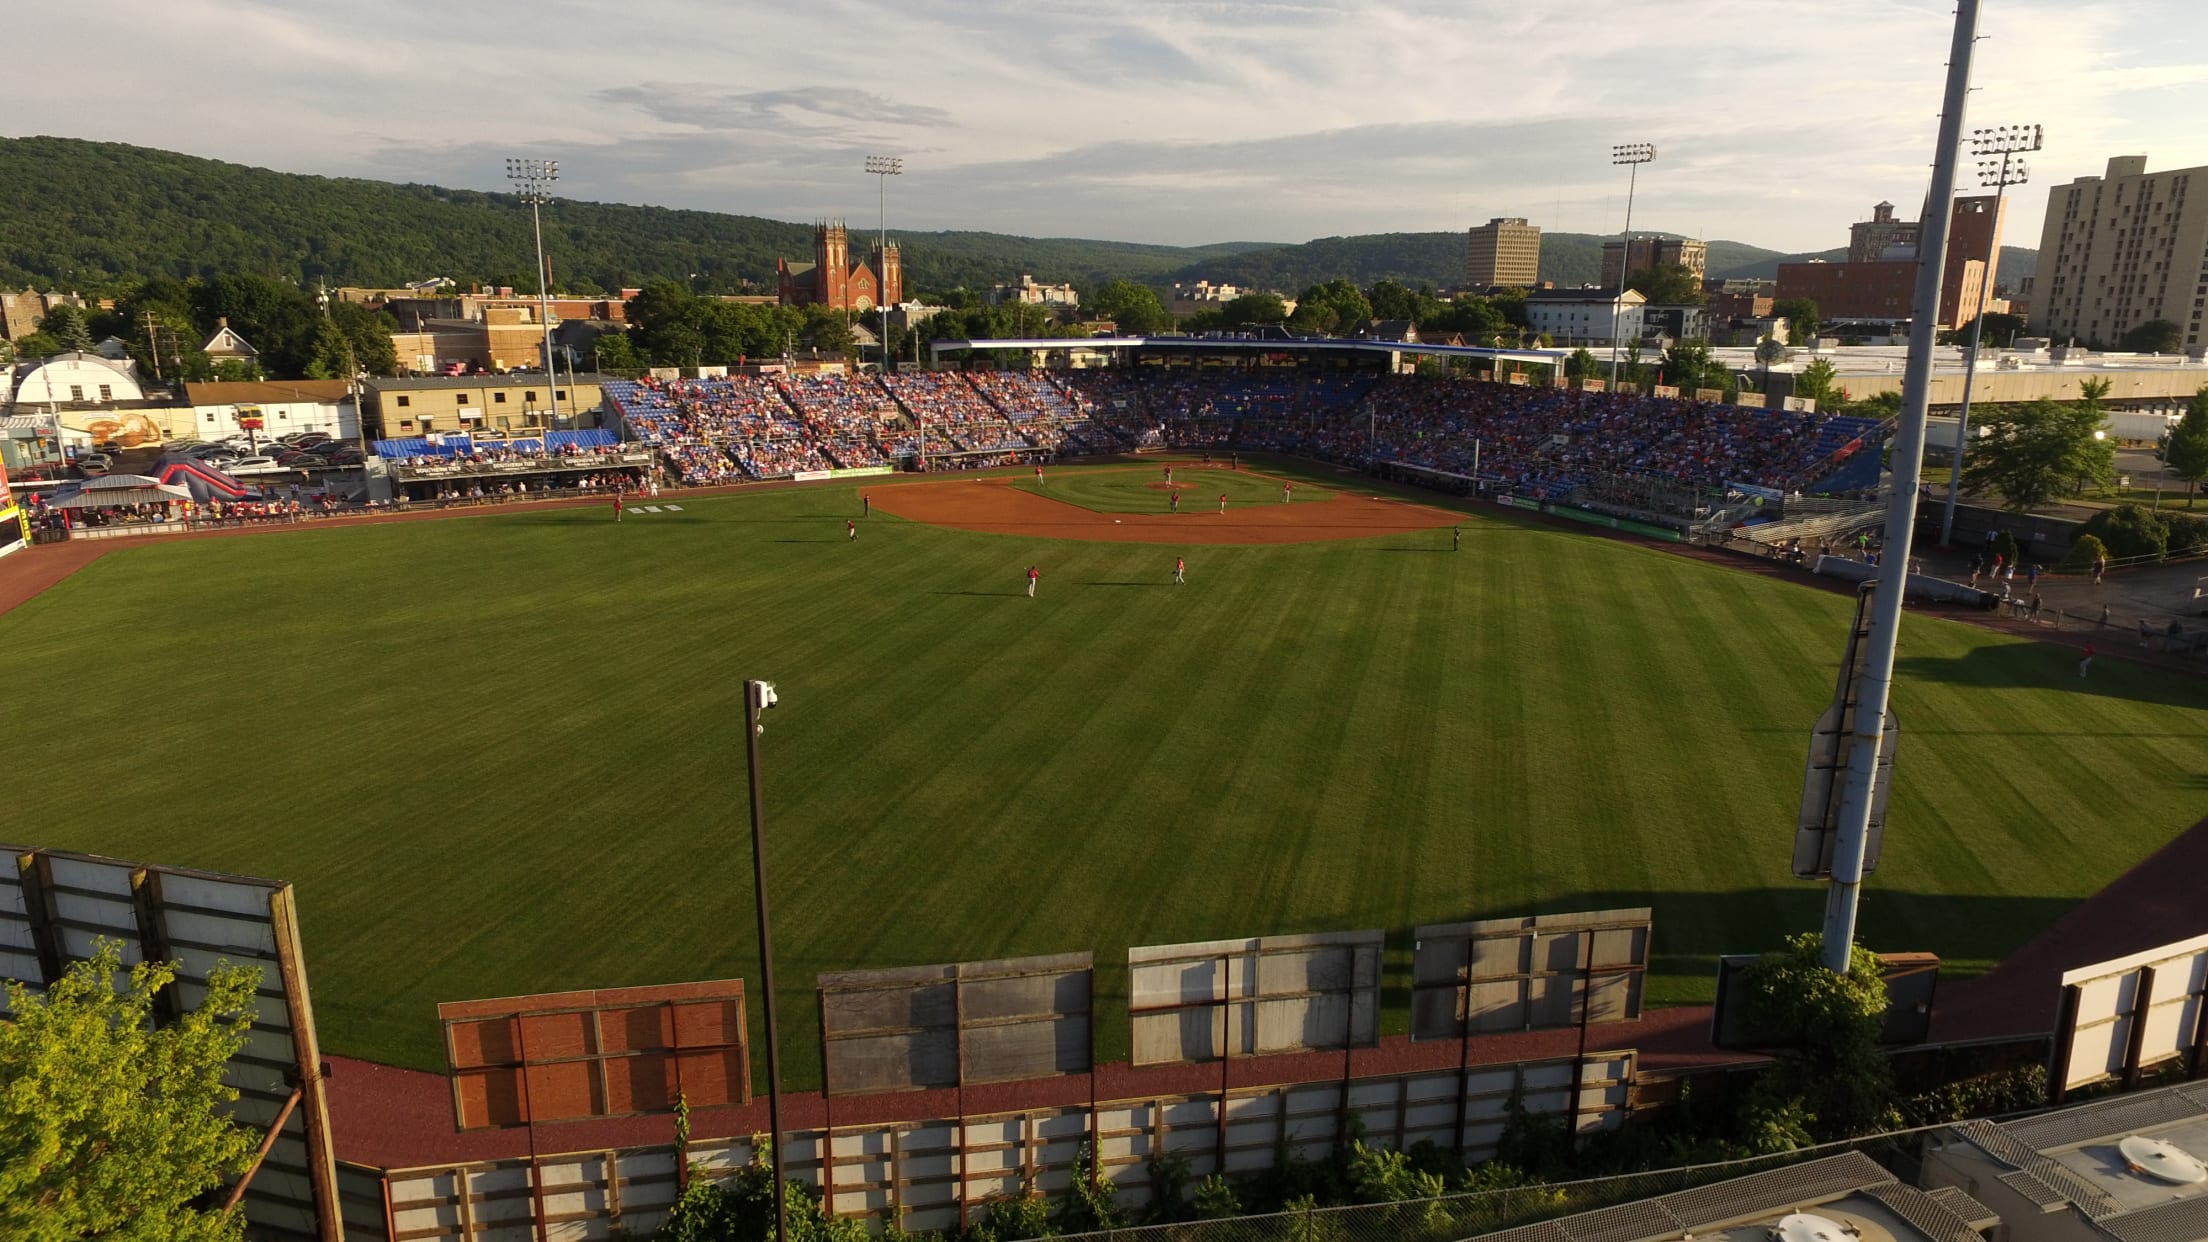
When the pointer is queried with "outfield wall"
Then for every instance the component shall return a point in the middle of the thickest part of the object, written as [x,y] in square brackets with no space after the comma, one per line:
[937,1174]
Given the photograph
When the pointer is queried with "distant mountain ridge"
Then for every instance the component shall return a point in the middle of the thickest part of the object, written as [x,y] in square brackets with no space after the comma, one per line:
[84,214]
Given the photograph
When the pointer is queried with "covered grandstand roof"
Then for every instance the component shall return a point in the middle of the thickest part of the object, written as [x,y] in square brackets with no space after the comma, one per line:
[1257,344]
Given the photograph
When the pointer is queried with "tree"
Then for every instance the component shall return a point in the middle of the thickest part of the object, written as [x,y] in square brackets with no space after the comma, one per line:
[2129,532]
[2091,391]
[1580,365]
[1835,1072]
[1999,330]
[1333,307]
[1814,383]
[2156,336]
[1133,307]
[1668,284]
[66,324]
[2034,453]
[1800,315]
[1391,300]
[2185,449]
[1254,308]
[38,345]
[108,1123]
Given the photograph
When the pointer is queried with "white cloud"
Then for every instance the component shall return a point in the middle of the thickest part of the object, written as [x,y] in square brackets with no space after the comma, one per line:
[1190,121]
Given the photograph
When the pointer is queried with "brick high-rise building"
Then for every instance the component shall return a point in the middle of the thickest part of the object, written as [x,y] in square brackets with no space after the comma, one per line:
[2121,250]
[1879,279]
[1504,251]
[832,280]
[1649,252]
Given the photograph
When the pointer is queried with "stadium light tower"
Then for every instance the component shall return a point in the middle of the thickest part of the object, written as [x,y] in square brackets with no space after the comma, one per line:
[533,181]
[1632,155]
[884,167]
[1999,152]
[758,697]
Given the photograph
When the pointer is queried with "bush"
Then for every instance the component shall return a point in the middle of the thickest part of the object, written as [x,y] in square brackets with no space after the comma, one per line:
[2130,531]
[2082,554]
[2188,535]
[2004,545]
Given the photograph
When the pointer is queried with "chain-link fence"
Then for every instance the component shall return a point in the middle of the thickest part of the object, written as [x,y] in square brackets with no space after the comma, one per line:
[1474,1213]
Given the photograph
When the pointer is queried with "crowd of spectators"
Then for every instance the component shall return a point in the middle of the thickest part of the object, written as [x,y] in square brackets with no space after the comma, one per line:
[844,414]
[944,400]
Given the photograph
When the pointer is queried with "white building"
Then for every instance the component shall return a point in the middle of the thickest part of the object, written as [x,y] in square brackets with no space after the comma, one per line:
[222,411]
[76,379]
[1585,316]
[1028,292]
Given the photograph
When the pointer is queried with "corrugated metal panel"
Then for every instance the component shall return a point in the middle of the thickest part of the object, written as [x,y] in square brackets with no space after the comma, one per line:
[1747,1197]
[2105,1119]
[1969,1210]
[1928,1215]
[2186,1220]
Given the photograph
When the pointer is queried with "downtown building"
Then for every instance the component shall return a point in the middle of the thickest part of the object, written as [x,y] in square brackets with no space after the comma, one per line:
[2120,251]
[1879,280]
[1644,253]
[1505,252]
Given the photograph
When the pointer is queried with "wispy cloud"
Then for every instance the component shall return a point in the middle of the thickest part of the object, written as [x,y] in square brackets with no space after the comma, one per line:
[1190,121]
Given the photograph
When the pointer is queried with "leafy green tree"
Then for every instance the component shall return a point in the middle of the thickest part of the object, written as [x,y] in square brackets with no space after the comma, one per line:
[1391,300]
[1479,318]
[1834,1078]
[1688,365]
[1815,382]
[1668,284]
[1335,307]
[108,1123]
[617,354]
[1581,365]
[2185,449]
[1134,307]
[2092,390]
[2037,452]
[2129,532]
[1252,309]
[1800,315]
[2156,336]
[38,345]
[2000,330]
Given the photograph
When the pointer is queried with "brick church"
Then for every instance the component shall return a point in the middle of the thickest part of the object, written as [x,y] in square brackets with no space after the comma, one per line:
[832,280]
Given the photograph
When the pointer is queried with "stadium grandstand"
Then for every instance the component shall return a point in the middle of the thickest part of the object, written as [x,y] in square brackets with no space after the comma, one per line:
[1663,457]
[459,465]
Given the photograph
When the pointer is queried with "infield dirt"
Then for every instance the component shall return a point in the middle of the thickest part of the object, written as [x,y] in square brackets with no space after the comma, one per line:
[994,506]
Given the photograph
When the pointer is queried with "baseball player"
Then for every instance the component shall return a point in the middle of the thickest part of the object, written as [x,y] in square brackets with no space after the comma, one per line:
[1222,502]
[1033,573]
[1180,570]
[850,529]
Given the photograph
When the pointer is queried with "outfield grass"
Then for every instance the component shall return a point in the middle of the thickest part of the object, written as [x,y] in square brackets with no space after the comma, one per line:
[1141,489]
[503,754]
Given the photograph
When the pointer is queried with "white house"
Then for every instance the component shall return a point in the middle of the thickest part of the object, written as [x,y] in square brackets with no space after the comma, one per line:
[222,411]
[1585,316]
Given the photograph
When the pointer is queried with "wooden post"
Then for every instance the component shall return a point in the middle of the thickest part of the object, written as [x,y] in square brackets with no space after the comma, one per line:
[897,1172]
[2066,1035]
[2196,1060]
[283,1115]
[36,873]
[153,942]
[2142,1000]
[467,1207]
[612,1165]
[827,1108]
[1464,1045]
[291,963]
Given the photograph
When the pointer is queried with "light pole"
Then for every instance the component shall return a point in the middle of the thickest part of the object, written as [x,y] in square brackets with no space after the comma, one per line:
[533,181]
[1998,151]
[883,167]
[758,696]
[1633,155]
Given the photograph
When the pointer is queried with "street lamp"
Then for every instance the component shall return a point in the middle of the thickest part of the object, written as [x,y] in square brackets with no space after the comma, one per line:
[759,696]
[1999,153]
[883,167]
[533,181]
[1633,155]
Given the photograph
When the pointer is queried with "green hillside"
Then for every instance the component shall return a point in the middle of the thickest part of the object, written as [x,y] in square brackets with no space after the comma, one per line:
[84,214]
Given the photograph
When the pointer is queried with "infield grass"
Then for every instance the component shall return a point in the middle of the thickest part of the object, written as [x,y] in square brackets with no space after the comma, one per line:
[503,754]
[1142,489]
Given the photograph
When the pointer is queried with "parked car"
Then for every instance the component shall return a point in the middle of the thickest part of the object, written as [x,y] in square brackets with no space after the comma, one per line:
[349,456]
[91,464]
[308,439]
[257,464]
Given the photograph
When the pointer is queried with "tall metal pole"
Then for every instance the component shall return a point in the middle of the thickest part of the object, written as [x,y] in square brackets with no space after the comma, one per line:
[1853,827]
[884,167]
[2008,141]
[534,178]
[757,695]
[1633,155]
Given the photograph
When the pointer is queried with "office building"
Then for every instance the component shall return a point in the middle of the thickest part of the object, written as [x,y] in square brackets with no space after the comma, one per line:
[1504,251]
[1648,252]
[2120,251]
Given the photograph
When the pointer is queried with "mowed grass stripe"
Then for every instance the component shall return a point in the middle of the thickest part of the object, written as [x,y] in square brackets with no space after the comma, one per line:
[503,754]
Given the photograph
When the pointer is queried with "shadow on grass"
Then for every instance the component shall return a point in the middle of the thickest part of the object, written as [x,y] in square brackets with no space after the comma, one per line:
[1130,584]
[2045,666]
[980,594]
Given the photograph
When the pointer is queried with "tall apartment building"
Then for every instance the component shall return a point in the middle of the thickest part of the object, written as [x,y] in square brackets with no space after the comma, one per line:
[1504,251]
[2122,250]
[1648,252]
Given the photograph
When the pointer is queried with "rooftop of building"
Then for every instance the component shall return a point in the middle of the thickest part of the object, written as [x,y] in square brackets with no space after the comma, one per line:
[1949,360]
[2071,1158]
[1843,1198]
[511,379]
[271,392]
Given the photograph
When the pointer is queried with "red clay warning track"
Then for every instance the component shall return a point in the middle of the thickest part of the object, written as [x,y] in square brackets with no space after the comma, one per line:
[994,506]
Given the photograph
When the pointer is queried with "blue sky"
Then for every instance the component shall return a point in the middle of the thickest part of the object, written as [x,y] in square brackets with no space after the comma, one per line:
[1179,121]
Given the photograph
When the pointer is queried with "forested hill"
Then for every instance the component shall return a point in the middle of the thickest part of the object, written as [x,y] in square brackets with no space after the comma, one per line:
[85,215]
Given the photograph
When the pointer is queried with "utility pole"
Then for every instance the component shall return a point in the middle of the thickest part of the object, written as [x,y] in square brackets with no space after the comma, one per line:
[758,696]
[1853,824]
[1633,155]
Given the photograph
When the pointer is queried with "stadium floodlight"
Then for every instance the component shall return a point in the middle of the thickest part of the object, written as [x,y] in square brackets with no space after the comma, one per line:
[759,696]
[1633,155]
[533,182]
[2000,152]
[883,167]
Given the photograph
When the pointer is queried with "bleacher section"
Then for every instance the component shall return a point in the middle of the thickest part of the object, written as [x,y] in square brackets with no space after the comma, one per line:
[1540,442]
